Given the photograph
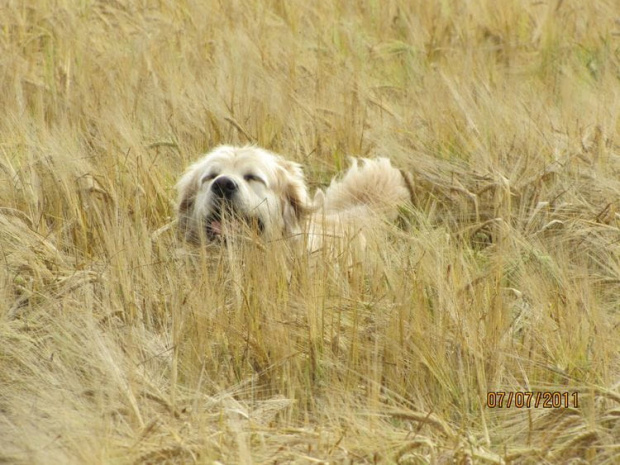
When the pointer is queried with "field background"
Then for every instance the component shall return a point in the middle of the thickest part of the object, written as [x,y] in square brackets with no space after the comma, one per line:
[118,344]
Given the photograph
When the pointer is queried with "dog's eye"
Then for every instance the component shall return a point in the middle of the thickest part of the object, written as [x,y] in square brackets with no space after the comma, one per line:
[208,177]
[252,177]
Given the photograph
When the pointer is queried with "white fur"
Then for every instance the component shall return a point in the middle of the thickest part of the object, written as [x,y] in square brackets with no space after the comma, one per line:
[369,191]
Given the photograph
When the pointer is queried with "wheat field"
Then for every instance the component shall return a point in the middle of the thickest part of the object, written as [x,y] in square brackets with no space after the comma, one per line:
[121,345]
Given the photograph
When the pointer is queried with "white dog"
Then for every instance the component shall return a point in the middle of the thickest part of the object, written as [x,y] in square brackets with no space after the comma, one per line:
[236,191]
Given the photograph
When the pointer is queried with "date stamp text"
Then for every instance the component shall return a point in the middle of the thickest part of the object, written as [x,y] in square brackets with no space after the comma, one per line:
[529,399]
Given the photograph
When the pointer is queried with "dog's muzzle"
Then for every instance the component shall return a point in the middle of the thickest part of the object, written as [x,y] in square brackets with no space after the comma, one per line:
[224,188]
[224,219]
[220,224]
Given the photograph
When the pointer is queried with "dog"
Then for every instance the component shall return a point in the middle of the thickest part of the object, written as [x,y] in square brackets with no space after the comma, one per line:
[248,191]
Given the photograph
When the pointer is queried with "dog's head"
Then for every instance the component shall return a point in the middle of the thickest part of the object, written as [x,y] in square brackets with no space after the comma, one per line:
[235,190]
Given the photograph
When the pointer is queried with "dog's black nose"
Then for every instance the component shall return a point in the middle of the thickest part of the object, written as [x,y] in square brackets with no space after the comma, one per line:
[224,187]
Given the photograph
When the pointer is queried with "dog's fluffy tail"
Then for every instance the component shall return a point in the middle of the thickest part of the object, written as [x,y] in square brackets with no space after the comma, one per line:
[373,184]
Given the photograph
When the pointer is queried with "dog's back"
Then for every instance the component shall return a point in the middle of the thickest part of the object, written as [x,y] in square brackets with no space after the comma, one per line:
[370,192]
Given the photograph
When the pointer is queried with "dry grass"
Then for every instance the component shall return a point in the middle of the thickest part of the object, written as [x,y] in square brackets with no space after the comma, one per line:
[119,345]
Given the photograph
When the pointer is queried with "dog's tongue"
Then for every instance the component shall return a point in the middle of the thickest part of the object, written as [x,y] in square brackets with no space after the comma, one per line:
[216,227]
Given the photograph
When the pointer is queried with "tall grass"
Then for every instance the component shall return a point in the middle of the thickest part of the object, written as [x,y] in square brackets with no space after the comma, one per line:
[119,344]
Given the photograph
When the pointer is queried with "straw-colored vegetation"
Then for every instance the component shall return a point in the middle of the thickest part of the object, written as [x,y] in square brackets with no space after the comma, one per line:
[119,344]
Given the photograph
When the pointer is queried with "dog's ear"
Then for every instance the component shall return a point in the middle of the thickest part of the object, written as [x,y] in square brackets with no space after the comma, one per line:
[295,193]
[187,190]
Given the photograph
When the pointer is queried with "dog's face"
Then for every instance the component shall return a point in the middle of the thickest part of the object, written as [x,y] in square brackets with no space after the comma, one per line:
[233,191]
